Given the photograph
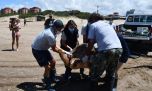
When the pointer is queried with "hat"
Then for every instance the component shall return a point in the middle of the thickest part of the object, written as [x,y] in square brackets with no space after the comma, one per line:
[58,23]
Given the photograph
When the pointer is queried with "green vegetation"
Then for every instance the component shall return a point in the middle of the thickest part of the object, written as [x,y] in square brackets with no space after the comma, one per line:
[77,13]
[61,13]
[83,15]
[2,15]
[47,12]
[27,15]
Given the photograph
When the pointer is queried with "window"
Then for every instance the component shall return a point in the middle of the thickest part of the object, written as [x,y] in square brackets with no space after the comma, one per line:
[130,19]
[149,18]
[143,18]
[136,18]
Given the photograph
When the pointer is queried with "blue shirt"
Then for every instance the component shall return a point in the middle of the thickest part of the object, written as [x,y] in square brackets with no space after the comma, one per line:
[44,40]
[104,35]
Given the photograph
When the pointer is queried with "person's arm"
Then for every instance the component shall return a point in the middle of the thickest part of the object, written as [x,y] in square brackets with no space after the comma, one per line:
[52,42]
[46,22]
[88,51]
[77,38]
[18,26]
[91,39]
[57,49]
[62,55]
[83,33]
[90,46]
[124,45]
[84,39]
[10,27]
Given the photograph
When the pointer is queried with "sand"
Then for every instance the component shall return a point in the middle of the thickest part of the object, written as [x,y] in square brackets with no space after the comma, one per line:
[20,72]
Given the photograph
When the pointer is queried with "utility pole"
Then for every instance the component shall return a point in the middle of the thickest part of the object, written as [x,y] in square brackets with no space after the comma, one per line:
[97,9]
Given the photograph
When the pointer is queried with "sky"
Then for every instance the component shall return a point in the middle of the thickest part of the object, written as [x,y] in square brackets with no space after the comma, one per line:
[105,6]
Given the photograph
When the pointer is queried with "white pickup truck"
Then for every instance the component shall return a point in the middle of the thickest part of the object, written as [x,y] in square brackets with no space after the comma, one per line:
[137,31]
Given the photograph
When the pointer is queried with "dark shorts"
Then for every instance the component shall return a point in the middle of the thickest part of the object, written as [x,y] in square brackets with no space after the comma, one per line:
[43,57]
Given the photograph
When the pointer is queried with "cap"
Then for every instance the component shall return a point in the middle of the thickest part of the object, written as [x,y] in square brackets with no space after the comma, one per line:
[58,23]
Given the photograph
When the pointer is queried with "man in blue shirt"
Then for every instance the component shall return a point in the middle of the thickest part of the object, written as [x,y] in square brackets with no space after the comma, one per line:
[109,49]
[40,49]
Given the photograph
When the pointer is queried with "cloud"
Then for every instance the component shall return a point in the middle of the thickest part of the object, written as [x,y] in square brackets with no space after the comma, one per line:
[82,5]
[17,5]
[105,6]
[14,6]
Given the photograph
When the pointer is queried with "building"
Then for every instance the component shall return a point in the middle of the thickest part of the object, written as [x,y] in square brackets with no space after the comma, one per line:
[35,10]
[7,10]
[23,10]
[40,18]
[116,15]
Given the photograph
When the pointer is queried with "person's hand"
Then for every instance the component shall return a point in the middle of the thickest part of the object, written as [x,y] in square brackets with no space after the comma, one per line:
[71,50]
[68,53]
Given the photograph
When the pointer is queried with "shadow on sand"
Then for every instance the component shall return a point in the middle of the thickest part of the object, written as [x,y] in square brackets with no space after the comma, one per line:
[141,66]
[7,50]
[75,84]
[31,86]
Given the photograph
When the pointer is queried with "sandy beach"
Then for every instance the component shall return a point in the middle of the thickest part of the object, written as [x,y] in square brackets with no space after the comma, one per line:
[20,72]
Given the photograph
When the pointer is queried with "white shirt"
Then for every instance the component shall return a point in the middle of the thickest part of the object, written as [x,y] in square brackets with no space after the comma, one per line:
[104,35]
[113,25]
[44,40]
